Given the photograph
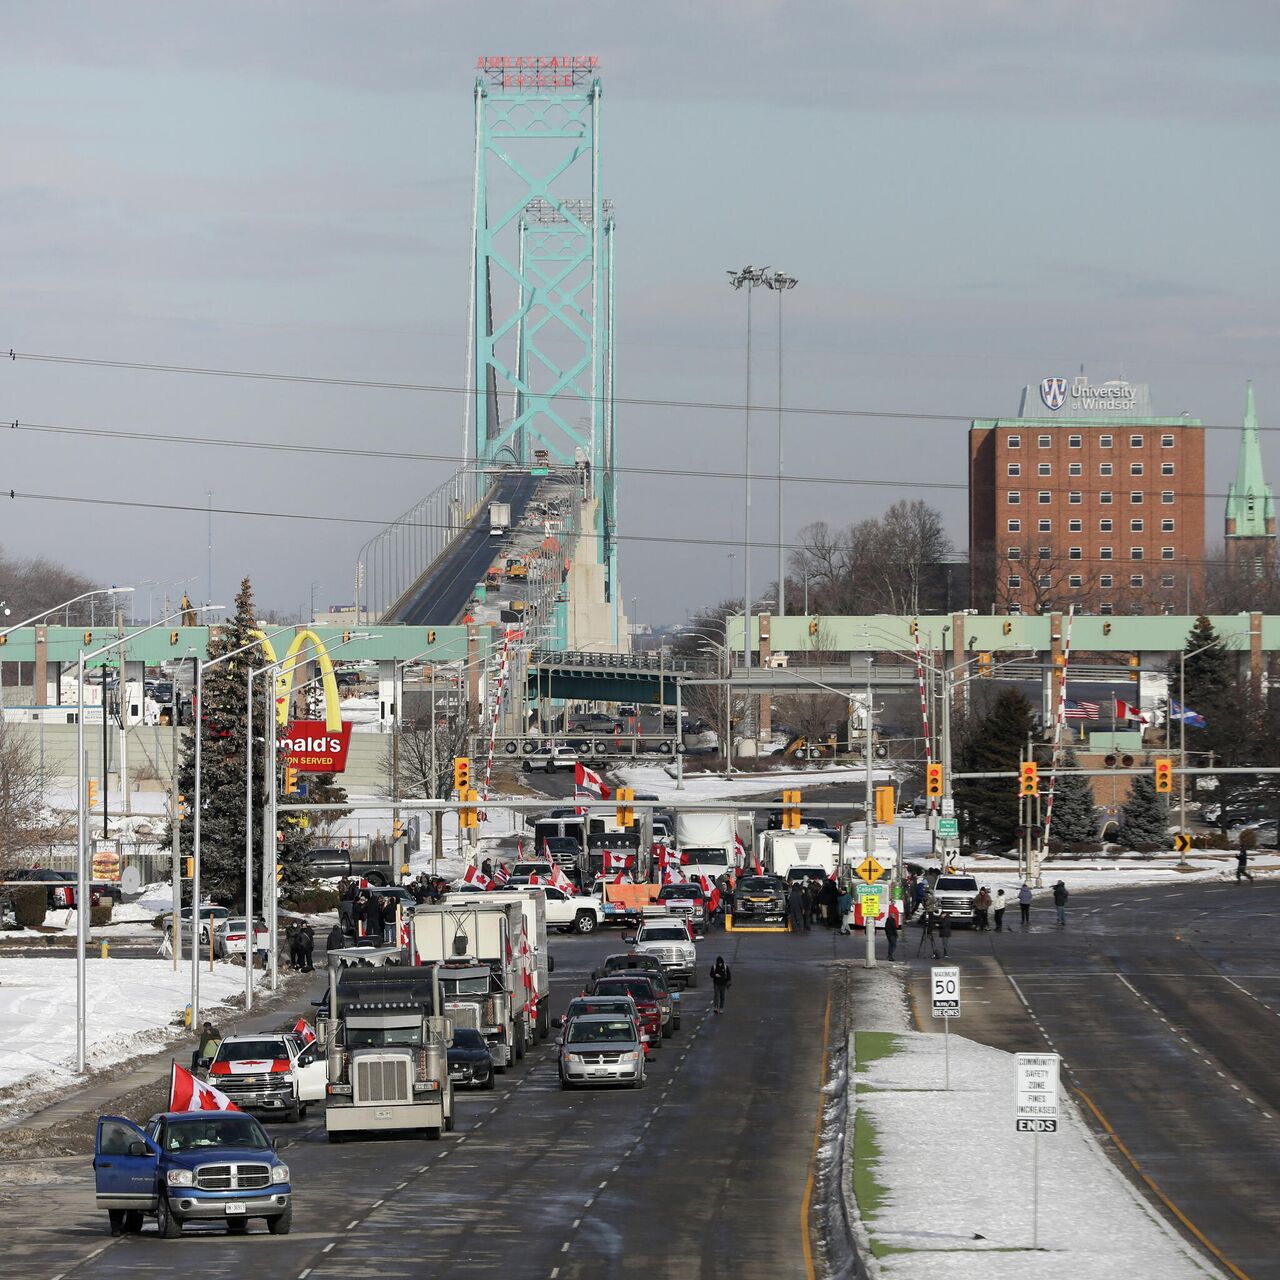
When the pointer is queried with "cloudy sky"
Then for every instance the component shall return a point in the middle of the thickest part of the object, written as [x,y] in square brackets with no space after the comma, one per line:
[973,196]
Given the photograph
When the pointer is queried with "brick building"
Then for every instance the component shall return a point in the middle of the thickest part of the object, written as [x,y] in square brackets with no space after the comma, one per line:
[1086,498]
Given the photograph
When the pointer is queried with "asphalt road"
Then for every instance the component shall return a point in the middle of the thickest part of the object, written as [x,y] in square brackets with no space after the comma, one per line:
[703,1173]
[1165,1006]
[444,591]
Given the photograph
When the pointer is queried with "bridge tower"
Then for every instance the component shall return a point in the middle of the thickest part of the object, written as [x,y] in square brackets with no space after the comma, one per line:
[540,363]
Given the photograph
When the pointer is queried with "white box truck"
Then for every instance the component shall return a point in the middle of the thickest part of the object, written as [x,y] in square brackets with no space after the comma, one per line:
[705,843]
[499,519]
[798,854]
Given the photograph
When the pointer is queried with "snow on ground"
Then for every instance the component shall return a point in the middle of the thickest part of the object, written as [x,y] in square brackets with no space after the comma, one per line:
[132,1005]
[656,780]
[937,1194]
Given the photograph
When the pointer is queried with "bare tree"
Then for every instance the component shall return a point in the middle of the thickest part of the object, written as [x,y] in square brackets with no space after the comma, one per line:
[24,822]
[418,781]
[1044,579]
[28,586]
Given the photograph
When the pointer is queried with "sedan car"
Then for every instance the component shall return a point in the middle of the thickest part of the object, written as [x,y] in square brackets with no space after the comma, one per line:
[601,1049]
[550,759]
[470,1062]
[230,936]
[211,916]
[190,1166]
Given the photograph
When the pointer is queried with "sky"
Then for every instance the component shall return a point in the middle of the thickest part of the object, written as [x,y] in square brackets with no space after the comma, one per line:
[972,197]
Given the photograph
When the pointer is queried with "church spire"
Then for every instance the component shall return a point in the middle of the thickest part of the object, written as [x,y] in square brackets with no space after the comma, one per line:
[1250,504]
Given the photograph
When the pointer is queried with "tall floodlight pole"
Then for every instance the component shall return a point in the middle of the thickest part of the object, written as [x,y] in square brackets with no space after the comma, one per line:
[780,282]
[747,277]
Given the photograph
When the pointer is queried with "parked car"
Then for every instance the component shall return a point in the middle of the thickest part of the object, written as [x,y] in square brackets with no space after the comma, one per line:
[60,886]
[331,864]
[595,722]
[601,1049]
[470,1062]
[231,934]
[550,759]
[190,1166]
[211,916]
[270,1073]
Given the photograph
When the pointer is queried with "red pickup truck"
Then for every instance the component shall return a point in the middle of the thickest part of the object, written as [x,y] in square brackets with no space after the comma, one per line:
[642,991]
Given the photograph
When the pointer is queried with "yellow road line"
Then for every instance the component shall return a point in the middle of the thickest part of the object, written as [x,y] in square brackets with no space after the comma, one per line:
[1164,1199]
[807,1202]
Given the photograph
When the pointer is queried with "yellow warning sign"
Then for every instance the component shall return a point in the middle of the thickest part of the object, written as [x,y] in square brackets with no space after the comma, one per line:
[870,870]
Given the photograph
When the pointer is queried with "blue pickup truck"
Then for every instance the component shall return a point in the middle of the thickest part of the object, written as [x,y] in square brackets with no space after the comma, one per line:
[190,1166]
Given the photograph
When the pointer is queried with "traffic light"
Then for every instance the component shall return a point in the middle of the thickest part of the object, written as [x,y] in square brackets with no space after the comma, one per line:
[933,780]
[626,814]
[1106,628]
[397,831]
[461,774]
[1029,774]
[346,637]
[813,626]
[984,664]
[1006,628]
[1164,776]
[88,638]
[884,806]
[915,629]
[790,810]
[1134,663]
[290,779]
[182,807]
[431,637]
[188,867]
[173,637]
[93,792]
[467,816]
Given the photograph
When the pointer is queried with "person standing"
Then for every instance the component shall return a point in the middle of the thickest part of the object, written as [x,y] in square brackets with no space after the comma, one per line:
[371,916]
[721,977]
[795,907]
[1242,866]
[307,947]
[844,905]
[998,910]
[942,935]
[981,906]
[891,934]
[1060,896]
[1024,903]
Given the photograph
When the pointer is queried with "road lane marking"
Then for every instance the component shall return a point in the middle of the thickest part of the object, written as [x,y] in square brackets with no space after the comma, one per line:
[328,1246]
[350,1225]
[807,1203]
[1164,1199]
[304,1273]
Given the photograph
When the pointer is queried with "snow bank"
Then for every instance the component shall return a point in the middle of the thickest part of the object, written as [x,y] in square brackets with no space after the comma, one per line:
[944,1178]
[655,780]
[131,1006]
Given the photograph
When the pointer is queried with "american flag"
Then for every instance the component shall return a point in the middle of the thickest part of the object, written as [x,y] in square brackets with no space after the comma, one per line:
[1081,710]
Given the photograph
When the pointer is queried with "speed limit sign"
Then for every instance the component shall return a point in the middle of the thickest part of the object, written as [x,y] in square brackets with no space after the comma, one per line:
[944,984]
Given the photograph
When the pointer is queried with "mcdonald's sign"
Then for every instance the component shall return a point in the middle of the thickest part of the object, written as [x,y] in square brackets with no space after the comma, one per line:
[311,746]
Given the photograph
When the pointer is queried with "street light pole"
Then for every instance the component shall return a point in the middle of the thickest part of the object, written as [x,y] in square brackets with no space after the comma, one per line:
[780,282]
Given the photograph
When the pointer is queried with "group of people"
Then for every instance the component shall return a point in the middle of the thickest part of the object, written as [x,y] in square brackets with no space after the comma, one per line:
[815,900]
[301,940]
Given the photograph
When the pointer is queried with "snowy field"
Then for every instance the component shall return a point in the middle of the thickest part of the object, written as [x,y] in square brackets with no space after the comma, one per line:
[131,1006]
[963,1208]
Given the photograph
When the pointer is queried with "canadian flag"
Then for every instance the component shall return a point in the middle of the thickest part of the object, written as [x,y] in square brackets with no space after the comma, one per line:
[1126,711]
[739,851]
[186,1093]
[477,878]
[670,875]
[559,880]
[501,875]
[589,782]
[618,861]
[620,878]
[304,1031]
[713,893]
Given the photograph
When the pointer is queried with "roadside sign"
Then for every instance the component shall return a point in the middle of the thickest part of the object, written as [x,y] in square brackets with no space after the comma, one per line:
[1037,1105]
[944,985]
[949,828]
[1181,843]
[870,870]
[948,806]
[871,902]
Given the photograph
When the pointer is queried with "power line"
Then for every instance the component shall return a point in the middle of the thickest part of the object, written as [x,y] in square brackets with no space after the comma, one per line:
[405,455]
[652,402]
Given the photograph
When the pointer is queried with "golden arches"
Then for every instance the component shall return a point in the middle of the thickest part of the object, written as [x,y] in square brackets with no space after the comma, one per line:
[284,678]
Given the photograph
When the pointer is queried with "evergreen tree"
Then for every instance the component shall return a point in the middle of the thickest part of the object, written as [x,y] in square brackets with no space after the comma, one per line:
[222,772]
[993,742]
[1075,814]
[1144,820]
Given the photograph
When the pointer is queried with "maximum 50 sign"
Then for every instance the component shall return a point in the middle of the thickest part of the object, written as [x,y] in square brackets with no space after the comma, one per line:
[944,987]
[1037,1106]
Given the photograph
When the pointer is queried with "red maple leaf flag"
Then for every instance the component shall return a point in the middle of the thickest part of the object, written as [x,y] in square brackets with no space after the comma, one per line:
[186,1093]
[477,878]
[670,875]
[304,1031]
[739,851]
[592,783]
[618,861]
[559,880]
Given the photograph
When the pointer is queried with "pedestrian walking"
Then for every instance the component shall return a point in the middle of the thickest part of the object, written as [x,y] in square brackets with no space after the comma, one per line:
[981,906]
[1060,896]
[1242,866]
[371,916]
[292,936]
[795,908]
[891,933]
[998,907]
[943,935]
[1024,903]
[721,977]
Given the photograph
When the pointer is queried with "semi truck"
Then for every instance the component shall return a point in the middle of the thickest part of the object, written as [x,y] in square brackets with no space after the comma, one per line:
[483,970]
[706,843]
[387,1040]
[499,519]
[533,907]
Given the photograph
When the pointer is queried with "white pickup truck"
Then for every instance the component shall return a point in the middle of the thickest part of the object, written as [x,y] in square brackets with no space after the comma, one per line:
[270,1073]
[566,911]
[667,940]
[954,895]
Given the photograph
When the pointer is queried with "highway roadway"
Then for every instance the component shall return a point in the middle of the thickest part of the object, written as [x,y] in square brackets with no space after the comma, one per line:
[1165,1006]
[703,1173]
[440,596]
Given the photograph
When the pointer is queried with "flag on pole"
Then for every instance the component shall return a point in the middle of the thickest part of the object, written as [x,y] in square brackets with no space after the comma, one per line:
[501,875]
[739,850]
[1193,718]
[477,878]
[1127,711]
[186,1093]
[590,783]
[1081,710]
[618,861]
[304,1031]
